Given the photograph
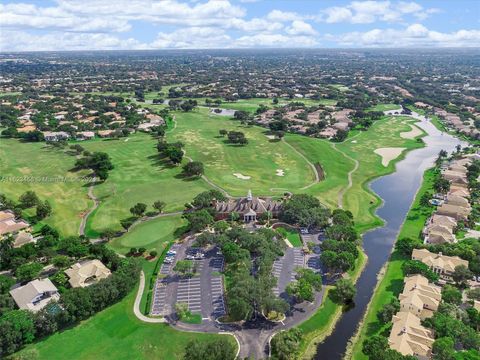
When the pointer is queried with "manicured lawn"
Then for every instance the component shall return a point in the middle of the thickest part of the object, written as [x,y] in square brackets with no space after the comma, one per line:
[292,236]
[152,235]
[139,176]
[385,107]
[43,170]
[392,282]
[116,334]
[384,133]
[192,318]
[259,159]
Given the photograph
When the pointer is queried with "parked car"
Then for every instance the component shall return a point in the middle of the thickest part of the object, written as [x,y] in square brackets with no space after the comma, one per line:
[190,257]
[304,230]
[168,260]
[199,255]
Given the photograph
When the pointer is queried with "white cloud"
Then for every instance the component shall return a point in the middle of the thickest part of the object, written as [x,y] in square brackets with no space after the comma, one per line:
[283,16]
[300,27]
[415,35]
[367,12]
[192,38]
[274,41]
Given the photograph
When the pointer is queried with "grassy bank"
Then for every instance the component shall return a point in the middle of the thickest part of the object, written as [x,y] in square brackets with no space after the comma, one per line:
[322,323]
[116,334]
[391,282]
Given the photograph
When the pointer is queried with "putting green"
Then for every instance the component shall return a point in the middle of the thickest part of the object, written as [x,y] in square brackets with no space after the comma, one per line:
[139,176]
[240,168]
[34,166]
[152,235]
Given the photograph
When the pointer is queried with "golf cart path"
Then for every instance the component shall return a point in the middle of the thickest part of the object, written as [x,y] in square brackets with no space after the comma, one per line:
[342,192]
[138,299]
[83,223]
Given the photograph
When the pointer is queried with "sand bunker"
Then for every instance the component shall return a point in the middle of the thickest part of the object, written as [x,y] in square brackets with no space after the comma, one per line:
[354,141]
[127,139]
[280,172]
[412,134]
[242,177]
[388,154]
[271,137]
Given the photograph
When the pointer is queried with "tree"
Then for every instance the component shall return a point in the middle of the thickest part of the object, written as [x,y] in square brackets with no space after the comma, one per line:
[343,292]
[138,209]
[17,329]
[159,205]
[340,135]
[61,261]
[388,310]
[223,132]
[184,267]
[153,253]
[474,294]
[412,267]
[406,245]
[194,168]
[6,282]
[451,295]
[206,198]
[220,226]
[375,346]
[199,219]
[126,223]
[28,199]
[285,344]
[237,137]
[425,199]
[441,185]
[461,275]
[175,154]
[43,210]
[443,349]
[220,349]
[28,271]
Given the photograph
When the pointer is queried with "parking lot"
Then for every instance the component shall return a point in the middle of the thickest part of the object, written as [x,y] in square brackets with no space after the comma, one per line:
[203,293]
[284,269]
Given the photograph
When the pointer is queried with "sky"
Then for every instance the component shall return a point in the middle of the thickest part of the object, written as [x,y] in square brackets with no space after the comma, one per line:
[53,25]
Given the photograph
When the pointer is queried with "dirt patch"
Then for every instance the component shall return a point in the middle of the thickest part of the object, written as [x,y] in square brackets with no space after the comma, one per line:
[388,154]
[242,177]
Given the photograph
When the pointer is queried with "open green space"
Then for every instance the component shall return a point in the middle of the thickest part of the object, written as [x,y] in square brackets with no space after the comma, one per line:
[37,167]
[153,234]
[385,107]
[116,334]
[292,236]
[391,283]
[259,159]
[139,176]
[384,133]
[10,93]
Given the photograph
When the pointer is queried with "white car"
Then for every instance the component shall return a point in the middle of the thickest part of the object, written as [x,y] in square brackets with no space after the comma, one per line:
[189,257]
[199,256]
[168,260]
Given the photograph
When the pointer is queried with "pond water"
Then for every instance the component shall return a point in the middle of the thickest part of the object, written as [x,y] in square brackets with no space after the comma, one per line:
[397,191]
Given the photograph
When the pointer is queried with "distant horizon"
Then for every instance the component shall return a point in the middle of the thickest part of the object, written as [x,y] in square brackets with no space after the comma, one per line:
[92,25]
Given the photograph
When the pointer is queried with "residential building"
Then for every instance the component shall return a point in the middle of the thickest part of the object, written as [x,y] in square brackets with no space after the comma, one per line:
[85,135]
[35,295]
[409,337]
[455,211]
[440,264]
[9,225]
[22,238]
[87,273]
[420,297]
[55,135]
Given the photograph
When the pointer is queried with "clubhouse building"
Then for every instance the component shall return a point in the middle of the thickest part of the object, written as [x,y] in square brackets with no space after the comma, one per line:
[249,208]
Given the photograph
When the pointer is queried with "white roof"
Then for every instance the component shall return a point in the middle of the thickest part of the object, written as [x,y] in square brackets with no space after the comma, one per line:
[26,294]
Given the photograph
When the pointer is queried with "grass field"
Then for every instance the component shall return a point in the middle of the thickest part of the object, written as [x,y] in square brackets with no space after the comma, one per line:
[392,282]
[138,176]
[116,334]
[10,93]
[292,236]
[385,107]
[41,165]
[383,133]
[358,199]
[259,160]
[152,235]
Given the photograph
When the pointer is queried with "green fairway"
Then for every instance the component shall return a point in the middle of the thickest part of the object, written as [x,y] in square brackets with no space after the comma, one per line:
[384,133]
[139,176]
[252,105]
[44,170]
[391,283]
[152,234]
[116,334]
[385,107]
[260,160]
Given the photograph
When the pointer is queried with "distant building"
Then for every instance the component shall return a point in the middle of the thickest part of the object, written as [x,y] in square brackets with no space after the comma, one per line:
[22,238]
[55,135]
[35,295]
[249,208]
[85,135]
[87,273]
